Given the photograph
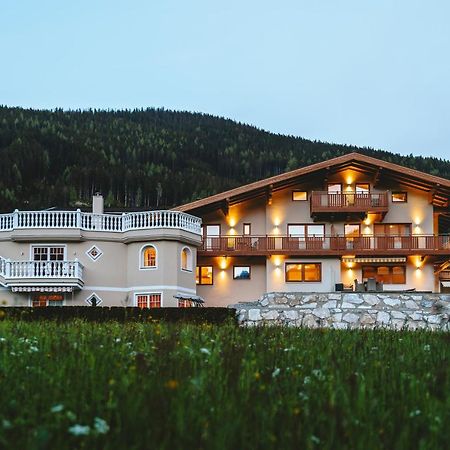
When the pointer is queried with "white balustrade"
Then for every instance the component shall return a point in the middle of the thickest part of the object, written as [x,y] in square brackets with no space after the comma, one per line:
[100,222]
[12,270]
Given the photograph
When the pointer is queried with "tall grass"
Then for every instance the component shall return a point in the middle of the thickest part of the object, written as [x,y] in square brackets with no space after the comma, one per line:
[135,386]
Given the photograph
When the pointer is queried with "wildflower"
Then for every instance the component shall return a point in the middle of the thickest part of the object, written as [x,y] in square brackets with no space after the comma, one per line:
[6,424]
[257,376]
[57,408]
[2,339]
[80,430]
[205,351]
[315,439]
[100,425]
[276,372]
[296,411]
[117,340]
[415,413]
[426,348]
[33,349]
[171,384]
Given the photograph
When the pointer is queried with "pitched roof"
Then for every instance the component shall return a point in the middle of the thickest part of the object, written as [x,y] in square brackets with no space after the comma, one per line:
[403,175]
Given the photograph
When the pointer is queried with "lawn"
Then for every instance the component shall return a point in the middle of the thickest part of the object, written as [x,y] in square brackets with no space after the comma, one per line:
[180,386]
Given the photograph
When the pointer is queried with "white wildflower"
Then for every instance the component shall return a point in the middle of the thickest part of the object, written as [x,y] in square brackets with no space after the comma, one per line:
[57,408]
[276,372]
[426,348]
[205,351]
[80,430]
[415,413]
[100,425]
[306,380]
[33,349]
[117,340]
[2,339]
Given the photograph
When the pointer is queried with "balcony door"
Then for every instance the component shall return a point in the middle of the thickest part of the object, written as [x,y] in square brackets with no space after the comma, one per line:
[352,233]
[212,236]
[46,259]
[392,235]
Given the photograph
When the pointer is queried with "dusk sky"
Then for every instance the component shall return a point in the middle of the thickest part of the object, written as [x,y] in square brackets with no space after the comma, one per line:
[369,73]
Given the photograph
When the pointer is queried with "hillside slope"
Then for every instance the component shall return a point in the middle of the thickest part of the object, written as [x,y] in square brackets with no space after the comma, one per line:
[150,158]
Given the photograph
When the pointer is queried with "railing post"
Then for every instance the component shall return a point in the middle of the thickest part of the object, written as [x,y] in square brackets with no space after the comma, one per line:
[78,218]
[15,218]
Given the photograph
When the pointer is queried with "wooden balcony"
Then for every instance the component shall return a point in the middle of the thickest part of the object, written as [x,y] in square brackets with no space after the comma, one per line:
[324,203]
[444,275]
[325,246]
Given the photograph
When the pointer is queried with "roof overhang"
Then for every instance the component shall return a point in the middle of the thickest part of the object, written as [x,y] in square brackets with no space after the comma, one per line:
[437,187]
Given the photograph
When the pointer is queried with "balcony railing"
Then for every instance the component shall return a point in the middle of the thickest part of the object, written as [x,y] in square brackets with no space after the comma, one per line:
[444,275]
[26,272]
[325,245]
[99,222]
[348,202]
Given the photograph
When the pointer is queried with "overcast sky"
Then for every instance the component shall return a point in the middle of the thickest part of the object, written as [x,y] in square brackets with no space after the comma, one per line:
[366,72]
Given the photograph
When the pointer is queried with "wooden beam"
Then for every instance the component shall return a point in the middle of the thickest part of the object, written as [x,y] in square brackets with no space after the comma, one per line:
[376,176]
[225,207]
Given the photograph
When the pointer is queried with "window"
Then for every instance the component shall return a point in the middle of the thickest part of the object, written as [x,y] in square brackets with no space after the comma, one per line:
[385,274]
[334,188]
[94,300]
[247,230]
[94,253]
[184,303]
[47,253]
[149,257]
[362,188]
[392,229]
[42,300]
[186,259]
[303,272]
[351,230]
[302,230]
[399,197]
[212,230]
[212,236]
[299,196]
[241,272]
[148,300]
[204,275]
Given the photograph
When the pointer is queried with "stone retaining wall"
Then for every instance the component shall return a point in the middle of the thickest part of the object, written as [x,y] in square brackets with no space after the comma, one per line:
[348,310]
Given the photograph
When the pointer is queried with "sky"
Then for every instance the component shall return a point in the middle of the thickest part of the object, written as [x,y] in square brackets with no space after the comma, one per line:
[372,73]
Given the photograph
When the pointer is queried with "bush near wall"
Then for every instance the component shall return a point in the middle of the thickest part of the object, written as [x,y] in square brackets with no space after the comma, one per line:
[121,314]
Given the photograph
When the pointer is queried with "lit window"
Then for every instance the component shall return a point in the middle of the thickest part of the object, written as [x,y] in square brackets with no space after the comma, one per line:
[304,272]
[399,197]
[41,300]
[204,275]
[385,274]
[183,303]
[241,272]
[334,188]
[247,229]
[149,257]
[148,301]
[186,259]
[299,196]
[362,188]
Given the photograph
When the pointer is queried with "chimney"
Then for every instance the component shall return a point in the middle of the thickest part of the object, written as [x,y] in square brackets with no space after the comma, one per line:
[97,203]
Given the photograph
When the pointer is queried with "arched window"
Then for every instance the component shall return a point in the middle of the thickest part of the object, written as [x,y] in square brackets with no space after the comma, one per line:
[186,259]
[149,257]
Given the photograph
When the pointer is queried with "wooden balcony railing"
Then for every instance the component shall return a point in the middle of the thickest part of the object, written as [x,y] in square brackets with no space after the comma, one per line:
[348,202]
[444,275]
[325,245]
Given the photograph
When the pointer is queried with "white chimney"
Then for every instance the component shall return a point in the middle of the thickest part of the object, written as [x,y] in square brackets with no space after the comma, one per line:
[97,203]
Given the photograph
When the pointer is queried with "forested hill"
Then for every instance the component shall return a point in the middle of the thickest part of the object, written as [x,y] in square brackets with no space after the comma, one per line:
[150,158]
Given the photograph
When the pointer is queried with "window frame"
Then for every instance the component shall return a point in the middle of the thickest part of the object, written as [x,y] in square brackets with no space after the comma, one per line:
[47,301]
[189,260]
[48,246]
[242,266]
[333,192]
[306,235]
[303,264]
[391,274]
[386,225]
[148,294]
[299,200]
[141,257]
[362,192]
[249,228]
[399,201]
[199,267]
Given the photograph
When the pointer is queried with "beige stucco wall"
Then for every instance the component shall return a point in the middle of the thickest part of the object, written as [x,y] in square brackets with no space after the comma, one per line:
[225,290]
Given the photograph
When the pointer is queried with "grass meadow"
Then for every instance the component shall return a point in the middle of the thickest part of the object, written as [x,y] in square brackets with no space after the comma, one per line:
[179,386]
